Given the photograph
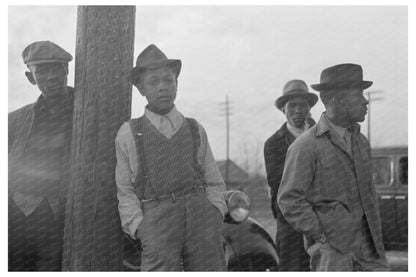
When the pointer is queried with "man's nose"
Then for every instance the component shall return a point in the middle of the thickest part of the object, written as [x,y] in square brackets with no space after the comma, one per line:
[52,76]
[298,109]
[162,87]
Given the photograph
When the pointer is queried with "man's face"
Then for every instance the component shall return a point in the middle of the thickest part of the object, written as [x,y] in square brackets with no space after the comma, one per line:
[159,86]
[51,78]
[296,111]
[352,105]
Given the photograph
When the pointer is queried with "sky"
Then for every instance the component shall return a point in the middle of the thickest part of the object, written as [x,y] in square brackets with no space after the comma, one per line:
[247,53]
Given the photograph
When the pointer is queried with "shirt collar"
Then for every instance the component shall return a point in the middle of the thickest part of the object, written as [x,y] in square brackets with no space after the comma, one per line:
[296,131]
[325,125]
[338,129]
[173,116]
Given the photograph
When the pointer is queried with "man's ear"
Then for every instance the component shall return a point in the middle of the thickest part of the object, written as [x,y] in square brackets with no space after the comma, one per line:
[337,101]
[29,76]
[139,88]
[66,66]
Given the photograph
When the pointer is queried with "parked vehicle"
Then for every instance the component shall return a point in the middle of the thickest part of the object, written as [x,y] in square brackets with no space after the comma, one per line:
[390,177]
[247,245]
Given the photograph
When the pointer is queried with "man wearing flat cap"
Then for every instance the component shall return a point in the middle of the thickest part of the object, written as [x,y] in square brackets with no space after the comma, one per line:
[326,192]
[39,140]
[171,194]
[296,103]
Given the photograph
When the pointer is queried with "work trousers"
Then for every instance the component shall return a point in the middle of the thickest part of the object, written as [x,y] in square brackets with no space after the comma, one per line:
[35,241]
[324,257]
[182,233]
[290,248]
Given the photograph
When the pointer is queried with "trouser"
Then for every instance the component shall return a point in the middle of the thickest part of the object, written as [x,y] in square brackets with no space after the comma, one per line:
[327,258]
[35,241]
[182,233]
[290,248]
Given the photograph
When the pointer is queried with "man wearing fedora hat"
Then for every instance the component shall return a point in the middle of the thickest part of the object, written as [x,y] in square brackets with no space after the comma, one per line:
[296,103]
[171,194]
[326,192]
[39,140]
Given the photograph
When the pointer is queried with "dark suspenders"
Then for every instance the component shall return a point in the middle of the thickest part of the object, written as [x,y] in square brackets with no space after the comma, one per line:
[142,178]
[196,141]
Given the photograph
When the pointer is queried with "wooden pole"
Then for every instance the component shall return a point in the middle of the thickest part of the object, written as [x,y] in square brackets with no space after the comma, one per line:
[369,118]
[227,161]
[102,102]
[227,145]
[370,100]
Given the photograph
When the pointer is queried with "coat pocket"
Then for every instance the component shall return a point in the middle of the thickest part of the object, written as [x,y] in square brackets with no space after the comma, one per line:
[337,222]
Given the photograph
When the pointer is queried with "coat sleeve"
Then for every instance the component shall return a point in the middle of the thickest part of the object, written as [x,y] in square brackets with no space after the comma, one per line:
[274,161]
[216,190]
[128,203]
[298,175]
[11,129]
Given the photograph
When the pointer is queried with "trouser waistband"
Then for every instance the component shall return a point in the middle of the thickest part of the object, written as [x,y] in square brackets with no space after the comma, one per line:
[172,196]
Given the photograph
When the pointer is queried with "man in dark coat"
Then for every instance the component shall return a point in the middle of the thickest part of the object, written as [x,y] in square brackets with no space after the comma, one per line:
[326,191]
[39,141]
[295,103]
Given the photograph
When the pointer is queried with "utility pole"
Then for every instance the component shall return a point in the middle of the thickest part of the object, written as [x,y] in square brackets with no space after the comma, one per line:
[227,119]
[102,102]
[370,100]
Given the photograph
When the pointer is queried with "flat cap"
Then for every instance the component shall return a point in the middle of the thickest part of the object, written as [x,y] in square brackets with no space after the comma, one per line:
[44,52]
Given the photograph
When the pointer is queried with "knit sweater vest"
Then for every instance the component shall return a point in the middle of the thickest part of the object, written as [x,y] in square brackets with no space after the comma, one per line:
[169,161]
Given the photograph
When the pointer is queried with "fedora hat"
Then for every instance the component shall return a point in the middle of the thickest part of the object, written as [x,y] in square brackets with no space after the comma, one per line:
[153,58]
[295,89]
[345,75]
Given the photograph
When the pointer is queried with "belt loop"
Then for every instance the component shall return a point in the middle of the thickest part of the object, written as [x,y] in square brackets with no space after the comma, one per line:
[173,198]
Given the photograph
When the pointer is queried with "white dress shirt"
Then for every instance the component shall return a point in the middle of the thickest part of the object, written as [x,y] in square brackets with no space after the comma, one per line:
[127,164]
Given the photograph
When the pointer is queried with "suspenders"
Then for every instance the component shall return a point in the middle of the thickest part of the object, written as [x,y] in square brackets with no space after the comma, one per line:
[196,140]
[142,178]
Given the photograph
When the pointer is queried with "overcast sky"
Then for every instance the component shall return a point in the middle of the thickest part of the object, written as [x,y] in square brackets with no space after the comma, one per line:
[247,53]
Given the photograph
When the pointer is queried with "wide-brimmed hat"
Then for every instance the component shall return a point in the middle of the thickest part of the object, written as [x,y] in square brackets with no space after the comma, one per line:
[44,52]
[153,58]
[345,75]
[295,89]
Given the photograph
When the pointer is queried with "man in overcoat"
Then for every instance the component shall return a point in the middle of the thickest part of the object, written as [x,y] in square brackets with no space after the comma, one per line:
[296,103]
[39,141]
[326,192]
[170,191]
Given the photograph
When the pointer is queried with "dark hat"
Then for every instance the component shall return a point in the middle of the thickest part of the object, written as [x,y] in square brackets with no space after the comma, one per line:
[294,89]
[44,52]
[153,58]
[342,76]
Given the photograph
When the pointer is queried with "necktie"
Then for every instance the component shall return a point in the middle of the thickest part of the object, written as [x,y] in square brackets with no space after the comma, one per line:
[166,127]
[347,140]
